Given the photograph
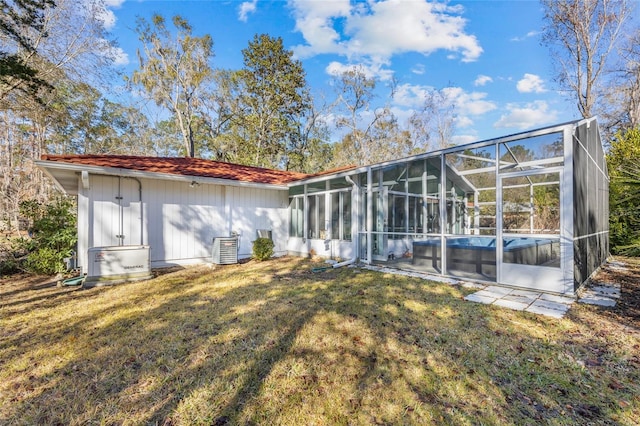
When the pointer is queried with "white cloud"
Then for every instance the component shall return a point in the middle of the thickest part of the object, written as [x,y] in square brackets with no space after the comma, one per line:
[531,83]
[379,30]
[482,80]
[533,114]
[418,69]
[370,70]
[103,12]
[114,53]
[463,121]
[410,96]
[246,8]
[315,20]
[464,139]
[120,57]
[528,35]
[107,17]
[467,105]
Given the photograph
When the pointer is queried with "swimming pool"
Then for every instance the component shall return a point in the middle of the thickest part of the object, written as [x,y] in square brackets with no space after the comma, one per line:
[475,257]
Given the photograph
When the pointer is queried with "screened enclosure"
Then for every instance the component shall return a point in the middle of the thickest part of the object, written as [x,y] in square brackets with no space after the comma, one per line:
[527,210]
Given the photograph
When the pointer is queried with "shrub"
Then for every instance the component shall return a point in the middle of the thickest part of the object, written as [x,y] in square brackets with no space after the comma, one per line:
[8,266]
[8,253]
[262,248]
[54,235]
[624,193]
[45,261]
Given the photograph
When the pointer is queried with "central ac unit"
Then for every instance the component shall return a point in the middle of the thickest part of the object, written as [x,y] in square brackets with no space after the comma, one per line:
[225,250]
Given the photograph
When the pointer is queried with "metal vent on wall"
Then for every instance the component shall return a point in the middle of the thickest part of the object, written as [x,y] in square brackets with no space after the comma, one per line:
[225,250]
[264,233]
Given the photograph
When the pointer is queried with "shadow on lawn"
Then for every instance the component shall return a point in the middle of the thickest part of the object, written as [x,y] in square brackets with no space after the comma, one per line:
[41,284]
[258,343]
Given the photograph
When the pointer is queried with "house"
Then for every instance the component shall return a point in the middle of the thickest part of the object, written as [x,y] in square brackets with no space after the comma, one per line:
[528,210]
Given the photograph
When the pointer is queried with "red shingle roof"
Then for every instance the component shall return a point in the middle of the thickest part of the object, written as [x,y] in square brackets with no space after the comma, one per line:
[184,166]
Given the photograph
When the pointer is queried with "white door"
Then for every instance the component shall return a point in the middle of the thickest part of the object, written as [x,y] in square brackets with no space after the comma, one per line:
[117,211]
[130,213]
[529,224]
[380,224]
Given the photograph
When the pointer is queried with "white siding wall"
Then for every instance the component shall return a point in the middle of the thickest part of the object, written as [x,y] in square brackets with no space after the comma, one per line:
[182,221]
[332,249]
[179,222]
[254,208]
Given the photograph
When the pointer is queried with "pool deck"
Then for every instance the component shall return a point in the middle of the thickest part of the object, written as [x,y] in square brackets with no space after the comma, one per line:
[523,300]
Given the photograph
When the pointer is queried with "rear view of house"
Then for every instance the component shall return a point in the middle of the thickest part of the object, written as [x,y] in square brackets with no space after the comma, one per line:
[527,210]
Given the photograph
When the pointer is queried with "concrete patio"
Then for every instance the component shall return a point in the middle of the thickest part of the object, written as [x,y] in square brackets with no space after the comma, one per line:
[602,294]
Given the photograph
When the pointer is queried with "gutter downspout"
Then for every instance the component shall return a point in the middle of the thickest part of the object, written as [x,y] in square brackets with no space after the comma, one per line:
[354,240]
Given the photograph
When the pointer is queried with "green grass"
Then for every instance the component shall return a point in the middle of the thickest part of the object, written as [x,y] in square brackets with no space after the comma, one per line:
[273,343]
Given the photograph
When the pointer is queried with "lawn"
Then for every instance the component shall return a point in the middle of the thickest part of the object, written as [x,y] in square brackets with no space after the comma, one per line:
[275,343]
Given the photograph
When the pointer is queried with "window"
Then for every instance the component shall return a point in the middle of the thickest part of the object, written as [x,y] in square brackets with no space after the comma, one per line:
[531,204]
[345,204]
[296,217]
[316,221]
[396,216]
[471,191]
[341,216]
[415,214]
[335,216]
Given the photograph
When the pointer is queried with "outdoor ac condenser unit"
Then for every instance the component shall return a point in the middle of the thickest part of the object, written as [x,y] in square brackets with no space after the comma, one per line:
[225,250]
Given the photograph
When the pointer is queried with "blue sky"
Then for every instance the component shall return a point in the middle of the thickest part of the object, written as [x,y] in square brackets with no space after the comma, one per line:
[486,55]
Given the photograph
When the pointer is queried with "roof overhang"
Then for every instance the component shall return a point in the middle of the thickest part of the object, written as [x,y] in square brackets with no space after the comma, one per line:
[66,175]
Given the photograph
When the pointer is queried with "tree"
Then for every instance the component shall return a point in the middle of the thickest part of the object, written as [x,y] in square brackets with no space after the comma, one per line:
[84,122]
[175,72]
[306,149]
[20,180]
[220,108]
[21,24]
[355,92]
[61,46]
[272,97]
[623,160]
[627,115]
[581,35]
[54,234]
[263,114]
[71,44]
[387,140]
[432,126]
[371,135]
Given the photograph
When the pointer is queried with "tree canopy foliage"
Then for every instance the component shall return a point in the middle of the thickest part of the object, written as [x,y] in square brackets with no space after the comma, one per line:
[600,69]
[21,24]
[370,135]
[272,97]
[175,71]
[584,39]
[623,161]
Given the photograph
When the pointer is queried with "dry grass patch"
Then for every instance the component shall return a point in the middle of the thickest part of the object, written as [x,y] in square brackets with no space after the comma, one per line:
[274,343]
